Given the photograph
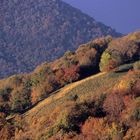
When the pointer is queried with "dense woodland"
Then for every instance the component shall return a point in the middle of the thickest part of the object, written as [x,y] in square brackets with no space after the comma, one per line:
[106,106]
[35,31]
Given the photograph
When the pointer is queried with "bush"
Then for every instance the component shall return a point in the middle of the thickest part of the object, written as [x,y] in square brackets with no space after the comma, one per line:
[136,65]
[113,106]
[4,99]
[120,51]
[71,74]
[41,91]
[88,58]
[109,61]
[15,80]
[129,84]
[105,61]
[136,114]
[4,93]
[98,106]
[70,119]
[20,99]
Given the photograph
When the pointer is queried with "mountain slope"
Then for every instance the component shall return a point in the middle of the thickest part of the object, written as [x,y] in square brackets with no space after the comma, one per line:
[34,31]
[75,111]
[24,91]
[103,106]
[20,92]
[65,97]
[61,93]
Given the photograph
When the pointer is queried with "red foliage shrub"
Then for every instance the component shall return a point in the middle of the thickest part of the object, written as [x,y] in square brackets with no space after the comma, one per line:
[71,73]
[114,105]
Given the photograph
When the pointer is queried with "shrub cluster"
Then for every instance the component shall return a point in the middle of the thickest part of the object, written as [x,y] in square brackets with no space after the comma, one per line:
[120,51]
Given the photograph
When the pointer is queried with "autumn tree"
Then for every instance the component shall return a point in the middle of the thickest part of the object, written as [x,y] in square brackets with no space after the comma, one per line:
[113,105]
[109,61]
[20,99]
[120,51]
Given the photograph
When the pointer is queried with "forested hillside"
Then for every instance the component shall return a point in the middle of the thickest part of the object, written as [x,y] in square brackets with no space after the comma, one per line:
[34,31]
[60,101]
